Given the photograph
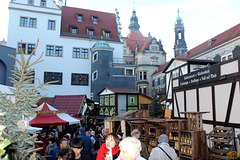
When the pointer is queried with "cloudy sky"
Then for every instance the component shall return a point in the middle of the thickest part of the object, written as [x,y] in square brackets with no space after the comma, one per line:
[202,19]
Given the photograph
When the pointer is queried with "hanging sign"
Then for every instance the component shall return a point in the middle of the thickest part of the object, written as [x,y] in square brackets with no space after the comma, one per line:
[204,75]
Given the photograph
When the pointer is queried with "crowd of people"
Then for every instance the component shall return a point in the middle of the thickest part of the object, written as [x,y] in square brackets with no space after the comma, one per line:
[95,143]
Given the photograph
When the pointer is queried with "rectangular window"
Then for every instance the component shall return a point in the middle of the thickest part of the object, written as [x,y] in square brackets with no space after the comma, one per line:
[76,52]
[23,48]
[50,50]
[43,3]
[158,82]
[58,51]
[24,22]
[80,79]
[107,34]
[129,72]
[84,54]
[53,76]
[229,56]
[31,47]
[90,32]
[95,20]
[51,25]
[74,30]
[142,75]
[30,1]
[33,22]
[79,18]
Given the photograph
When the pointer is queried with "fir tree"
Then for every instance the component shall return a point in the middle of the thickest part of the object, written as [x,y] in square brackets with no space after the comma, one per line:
[26,95]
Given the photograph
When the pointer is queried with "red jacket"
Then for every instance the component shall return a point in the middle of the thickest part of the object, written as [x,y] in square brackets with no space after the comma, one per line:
[103,151]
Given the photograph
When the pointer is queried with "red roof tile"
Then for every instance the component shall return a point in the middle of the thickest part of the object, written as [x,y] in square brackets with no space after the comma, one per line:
[215,41]
[71,103]
[134,38]
[106,22]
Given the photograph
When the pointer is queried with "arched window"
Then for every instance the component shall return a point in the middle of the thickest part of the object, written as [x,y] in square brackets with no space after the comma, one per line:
[3,73]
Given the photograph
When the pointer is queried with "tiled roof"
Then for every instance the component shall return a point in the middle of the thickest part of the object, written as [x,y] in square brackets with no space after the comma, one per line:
[136,37]
[161,68]
[106,22]
[71,103]
[215,41]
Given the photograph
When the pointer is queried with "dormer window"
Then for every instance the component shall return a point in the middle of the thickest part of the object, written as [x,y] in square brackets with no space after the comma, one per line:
[90,31]
[73,29]
[79,17]
[106,33]
[95,19]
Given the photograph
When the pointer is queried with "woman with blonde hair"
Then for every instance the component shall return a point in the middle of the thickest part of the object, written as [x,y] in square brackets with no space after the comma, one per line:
[130,148]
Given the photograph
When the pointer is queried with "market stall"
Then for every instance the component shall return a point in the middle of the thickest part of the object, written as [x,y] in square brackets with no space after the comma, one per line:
[50,116]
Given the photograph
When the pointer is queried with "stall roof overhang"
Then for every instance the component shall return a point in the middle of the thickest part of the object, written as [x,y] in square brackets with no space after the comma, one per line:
[120,90]
[189,61]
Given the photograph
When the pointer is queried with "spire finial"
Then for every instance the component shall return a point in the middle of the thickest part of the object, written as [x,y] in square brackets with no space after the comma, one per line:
[133,5]
[178,11]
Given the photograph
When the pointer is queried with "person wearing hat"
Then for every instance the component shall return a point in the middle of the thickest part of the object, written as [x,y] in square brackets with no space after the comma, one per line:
[163,150]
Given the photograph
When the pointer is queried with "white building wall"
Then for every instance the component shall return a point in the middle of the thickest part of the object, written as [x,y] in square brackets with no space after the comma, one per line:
[65,64]
[223,50]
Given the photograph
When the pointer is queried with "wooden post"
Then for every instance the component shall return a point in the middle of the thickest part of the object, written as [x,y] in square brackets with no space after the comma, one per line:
[123,127]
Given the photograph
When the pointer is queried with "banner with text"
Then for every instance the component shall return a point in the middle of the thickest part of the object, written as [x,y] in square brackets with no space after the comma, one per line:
[204,75]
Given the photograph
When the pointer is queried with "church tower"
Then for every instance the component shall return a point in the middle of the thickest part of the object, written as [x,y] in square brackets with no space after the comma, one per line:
[180,46]
[134,22]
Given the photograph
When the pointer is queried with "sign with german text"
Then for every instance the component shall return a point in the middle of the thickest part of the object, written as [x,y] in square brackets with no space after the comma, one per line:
[201,76]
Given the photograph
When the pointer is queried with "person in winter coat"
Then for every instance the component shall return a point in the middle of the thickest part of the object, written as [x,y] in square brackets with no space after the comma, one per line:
[130,148]
[144,152]
[163,150]
[51,144]
[109,150]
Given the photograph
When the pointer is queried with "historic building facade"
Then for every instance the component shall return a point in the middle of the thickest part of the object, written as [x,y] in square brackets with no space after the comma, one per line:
[148,54]
[66,36]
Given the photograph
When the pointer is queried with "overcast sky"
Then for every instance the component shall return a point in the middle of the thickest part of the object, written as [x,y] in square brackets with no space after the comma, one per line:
[203,19]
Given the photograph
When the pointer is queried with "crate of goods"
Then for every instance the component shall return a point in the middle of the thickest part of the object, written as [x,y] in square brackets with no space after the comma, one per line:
[221,134]
[192,144]
[220,150]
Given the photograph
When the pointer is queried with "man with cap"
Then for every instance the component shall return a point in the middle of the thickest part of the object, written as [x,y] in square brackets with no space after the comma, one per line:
[163,150]
[87,143]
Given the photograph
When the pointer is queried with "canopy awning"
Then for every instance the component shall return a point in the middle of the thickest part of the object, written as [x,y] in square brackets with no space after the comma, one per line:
[51,117]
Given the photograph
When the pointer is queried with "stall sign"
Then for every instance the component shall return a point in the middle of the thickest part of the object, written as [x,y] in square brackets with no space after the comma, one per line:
[204,75]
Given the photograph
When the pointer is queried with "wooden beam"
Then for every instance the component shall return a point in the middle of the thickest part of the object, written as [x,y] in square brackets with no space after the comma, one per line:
[175,95]
[197,96]
[213,107]
[185,103]
[230,103]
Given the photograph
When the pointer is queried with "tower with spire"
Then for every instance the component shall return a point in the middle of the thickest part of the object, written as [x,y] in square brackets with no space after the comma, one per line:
[134,22]
[180,45]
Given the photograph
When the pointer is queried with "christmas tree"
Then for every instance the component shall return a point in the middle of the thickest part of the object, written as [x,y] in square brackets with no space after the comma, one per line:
[15,109]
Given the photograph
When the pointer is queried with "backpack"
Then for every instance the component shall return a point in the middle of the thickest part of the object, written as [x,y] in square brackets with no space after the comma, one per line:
[97,143]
